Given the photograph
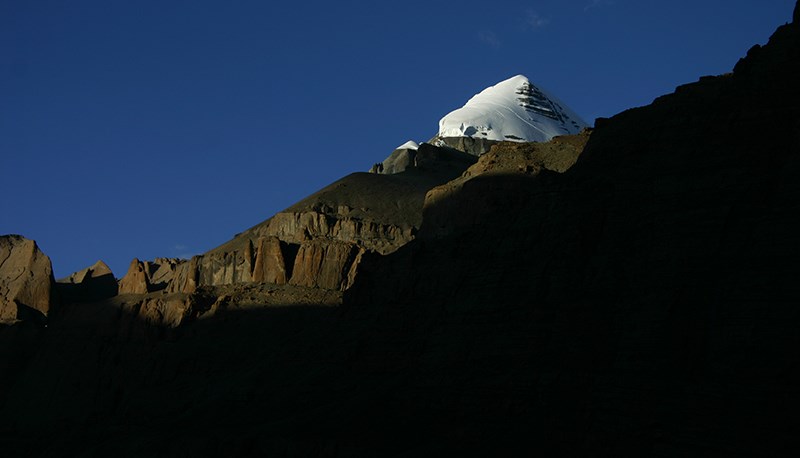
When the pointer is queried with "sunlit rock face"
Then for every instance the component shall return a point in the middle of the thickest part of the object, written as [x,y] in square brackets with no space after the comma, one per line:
[26,280]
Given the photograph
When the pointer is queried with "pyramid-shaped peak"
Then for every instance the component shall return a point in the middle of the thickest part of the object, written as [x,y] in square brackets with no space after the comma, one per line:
[100,268]
[514,109]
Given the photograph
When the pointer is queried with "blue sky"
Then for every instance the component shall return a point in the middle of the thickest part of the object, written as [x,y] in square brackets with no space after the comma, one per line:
[162,128]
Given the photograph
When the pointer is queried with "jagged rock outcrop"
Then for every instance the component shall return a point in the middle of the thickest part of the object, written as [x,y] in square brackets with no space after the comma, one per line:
[185,278]
[90,284]
[160,271]
[471,145]
[402,158]
[136,280]
[335,224]
[156,275]
[26,280]
[217,268]
[169,310]
[318,263]
[270,262]
[328,265]
[225,268]
[426,157]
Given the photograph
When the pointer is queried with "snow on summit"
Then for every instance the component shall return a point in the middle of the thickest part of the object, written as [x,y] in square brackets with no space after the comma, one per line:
[515,110]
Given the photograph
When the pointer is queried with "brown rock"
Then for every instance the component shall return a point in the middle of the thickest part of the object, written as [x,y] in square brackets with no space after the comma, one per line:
[169,311]
[161,271]
[270,266]
[26,280]
[324,264]
[224,268]
[353,272]
[191,283]
[184,278]
[136,280]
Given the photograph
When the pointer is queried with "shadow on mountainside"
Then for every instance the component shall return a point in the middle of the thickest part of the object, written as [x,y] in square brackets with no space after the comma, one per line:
[634,326]
[647,294]
[603,322]
[280,381]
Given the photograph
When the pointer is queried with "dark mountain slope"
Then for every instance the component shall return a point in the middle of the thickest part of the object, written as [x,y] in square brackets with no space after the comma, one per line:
[648,294]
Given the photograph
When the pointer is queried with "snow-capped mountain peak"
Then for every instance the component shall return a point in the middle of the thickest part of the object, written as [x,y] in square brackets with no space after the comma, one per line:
[511,110]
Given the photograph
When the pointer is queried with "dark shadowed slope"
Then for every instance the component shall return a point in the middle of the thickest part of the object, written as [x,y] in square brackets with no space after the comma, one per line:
[648,294]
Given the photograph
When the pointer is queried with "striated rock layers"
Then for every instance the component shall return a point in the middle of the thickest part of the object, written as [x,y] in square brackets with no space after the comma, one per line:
[319,262]
[26,280]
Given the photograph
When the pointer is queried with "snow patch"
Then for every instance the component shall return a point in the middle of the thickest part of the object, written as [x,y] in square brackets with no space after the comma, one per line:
[411,144]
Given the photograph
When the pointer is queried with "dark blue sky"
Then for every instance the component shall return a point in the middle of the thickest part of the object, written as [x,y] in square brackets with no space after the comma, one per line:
[162,128]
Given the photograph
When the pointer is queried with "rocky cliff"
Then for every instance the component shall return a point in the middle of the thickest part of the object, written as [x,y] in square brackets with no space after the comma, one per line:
[470,145]
[26,280]
[320,240]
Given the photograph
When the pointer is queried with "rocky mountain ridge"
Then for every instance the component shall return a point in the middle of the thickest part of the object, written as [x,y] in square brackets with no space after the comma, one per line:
[629,291]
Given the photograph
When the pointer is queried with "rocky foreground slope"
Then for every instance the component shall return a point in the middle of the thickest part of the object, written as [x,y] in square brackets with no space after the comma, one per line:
[641,303]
